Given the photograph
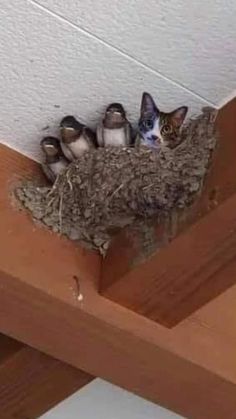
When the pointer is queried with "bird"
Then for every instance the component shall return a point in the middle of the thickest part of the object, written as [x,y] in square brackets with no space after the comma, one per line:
[55,162]
[76,138]
[115,129]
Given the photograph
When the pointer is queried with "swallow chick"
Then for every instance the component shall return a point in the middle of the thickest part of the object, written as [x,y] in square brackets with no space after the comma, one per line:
[115,129]
[76,138]
[55,163]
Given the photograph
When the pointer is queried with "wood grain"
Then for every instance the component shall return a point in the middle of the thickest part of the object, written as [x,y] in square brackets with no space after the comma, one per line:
[193,269]
[8,347]
[178,368]
[32,383]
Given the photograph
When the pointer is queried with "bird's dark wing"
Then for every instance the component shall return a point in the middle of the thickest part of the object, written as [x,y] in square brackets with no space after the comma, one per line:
[100,138]
[128,133]
[67,152]
[48,172]
[90,136]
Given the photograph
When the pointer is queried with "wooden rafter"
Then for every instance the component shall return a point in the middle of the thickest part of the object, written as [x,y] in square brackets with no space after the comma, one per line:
[31,383]
[192,270]
[178,368]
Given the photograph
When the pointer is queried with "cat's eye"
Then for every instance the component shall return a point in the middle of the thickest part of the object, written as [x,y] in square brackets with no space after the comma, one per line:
[166,129]
[148,123]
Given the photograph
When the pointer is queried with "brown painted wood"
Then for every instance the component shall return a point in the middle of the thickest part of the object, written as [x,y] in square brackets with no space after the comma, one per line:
[178,368]
[191,270]
[117,355]
[8,347]
[32,383]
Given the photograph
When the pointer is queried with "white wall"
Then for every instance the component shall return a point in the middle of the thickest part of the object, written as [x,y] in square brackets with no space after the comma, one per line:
[75,56]
[100,400]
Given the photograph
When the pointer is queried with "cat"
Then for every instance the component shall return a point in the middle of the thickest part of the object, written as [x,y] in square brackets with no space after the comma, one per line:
[158,128]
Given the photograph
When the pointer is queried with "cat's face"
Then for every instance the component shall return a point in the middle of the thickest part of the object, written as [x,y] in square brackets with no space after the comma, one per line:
[156,127]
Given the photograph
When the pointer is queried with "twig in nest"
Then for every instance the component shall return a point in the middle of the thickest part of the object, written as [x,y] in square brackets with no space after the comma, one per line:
[115,191]
[54,187]
[52,190]
[61,193]
[148,187]
[68,180]
[91,171]
[51,201]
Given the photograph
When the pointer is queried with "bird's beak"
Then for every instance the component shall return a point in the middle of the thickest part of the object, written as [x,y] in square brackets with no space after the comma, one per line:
[50,146]
[67,129]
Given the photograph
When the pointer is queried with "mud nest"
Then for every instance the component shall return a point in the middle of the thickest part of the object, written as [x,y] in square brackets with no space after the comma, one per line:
[110,188]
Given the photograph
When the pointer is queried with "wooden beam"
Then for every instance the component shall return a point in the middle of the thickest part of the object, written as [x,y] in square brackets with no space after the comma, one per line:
[8,347]
[178,368]
[189,272]
[185,275]
[32,383]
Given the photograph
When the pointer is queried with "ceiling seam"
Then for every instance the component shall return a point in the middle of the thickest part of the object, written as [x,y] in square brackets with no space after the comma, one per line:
[119,51]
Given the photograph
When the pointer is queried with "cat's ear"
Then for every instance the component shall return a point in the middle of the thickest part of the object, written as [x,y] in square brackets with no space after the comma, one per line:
[148,105]
[178,116]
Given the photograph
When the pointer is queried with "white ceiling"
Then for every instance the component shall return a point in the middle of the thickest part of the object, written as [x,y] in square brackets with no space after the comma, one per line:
[60,57]
[191,43]
[100,400]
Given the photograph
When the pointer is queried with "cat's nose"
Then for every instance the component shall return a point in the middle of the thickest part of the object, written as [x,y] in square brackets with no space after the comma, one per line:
[154,137]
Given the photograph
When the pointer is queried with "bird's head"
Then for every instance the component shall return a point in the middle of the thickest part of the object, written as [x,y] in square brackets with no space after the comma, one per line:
[51,146]
[70,128]
[115,115]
